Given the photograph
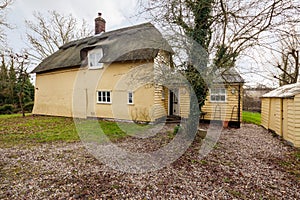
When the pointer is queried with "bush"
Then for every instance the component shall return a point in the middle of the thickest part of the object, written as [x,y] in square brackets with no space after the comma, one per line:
[28,107]
[176,129]
[7,109]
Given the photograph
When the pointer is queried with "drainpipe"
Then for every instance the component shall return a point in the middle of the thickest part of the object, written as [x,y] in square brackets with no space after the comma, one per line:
[239,106]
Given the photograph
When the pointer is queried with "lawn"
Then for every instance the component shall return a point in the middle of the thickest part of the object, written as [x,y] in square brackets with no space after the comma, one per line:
[15,129]
[252,117]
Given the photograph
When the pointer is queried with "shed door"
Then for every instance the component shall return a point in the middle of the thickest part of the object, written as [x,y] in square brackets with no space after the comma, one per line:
[275,115]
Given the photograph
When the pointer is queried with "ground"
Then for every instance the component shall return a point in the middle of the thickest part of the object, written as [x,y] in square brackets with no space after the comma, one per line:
[246,163]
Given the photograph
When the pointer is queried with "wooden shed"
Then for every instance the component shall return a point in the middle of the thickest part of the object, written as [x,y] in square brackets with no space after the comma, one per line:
[281,112]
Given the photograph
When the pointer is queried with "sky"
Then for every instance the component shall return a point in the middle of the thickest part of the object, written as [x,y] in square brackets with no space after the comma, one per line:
[117,13]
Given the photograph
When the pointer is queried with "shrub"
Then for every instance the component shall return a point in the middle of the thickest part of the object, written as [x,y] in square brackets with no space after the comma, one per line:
[28,107]
[7,109]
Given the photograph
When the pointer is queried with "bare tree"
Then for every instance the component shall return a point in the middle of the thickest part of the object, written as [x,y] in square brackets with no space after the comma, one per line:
[48,32]
[288,62]
[232,25]
[3,7]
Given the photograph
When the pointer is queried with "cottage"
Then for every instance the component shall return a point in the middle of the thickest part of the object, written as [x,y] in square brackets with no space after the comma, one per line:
[280,112]
[106,76]
[83,78]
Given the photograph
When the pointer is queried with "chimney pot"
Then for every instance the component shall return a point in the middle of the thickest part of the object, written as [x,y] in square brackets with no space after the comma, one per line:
[99,24]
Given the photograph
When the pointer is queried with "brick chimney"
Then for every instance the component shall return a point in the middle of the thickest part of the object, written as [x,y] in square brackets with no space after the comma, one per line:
[99,24]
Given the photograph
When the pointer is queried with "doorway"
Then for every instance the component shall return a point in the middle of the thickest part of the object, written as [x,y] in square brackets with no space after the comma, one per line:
[173,102]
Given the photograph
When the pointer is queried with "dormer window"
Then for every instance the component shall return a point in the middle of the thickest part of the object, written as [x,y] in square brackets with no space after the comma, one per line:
[94,56]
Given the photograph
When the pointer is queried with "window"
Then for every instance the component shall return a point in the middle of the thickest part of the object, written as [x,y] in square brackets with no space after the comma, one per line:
[218,94]
[94,57]
[130,97]
[104,97]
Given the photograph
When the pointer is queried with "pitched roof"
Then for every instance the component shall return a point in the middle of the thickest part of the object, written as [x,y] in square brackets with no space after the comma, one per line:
[140,42]
[285,91]
[230,75]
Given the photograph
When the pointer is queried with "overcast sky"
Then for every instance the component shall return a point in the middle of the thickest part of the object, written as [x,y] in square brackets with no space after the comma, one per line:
[117,13]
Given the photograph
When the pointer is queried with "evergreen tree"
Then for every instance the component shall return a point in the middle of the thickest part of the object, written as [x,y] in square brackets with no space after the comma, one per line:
[12,83]
[15,86]
[3,82]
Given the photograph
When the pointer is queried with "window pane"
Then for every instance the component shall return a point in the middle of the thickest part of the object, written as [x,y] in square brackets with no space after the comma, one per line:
[222,98]
[212,97]
[92,60]
[217,98]
[95,57]
[108,96]
[99,96]
[130,97]
[222,91]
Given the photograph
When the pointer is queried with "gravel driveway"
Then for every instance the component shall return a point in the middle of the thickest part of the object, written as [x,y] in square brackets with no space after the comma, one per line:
[247,163]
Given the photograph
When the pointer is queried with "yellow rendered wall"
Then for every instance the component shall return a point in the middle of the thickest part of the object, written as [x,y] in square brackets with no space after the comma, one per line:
[117,79]
[53,94]
[225,111]
[265,107]
[56,92]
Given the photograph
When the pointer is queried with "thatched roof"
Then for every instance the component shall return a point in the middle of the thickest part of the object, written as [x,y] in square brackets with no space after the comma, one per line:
[140,42]
[285,91]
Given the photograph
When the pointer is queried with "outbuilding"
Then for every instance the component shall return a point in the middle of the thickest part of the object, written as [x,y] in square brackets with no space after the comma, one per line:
[280,112]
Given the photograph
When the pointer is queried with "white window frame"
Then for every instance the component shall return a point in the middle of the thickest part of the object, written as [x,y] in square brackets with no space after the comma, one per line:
[94,56]
[132,98]
[217,92]
[103,98]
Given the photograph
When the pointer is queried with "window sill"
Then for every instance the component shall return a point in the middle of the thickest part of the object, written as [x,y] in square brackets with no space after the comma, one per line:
[96,67]
[130,104]
[106,103]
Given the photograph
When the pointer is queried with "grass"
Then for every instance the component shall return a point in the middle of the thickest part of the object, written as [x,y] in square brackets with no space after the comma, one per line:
[12,116]
[15,129]
[252,117]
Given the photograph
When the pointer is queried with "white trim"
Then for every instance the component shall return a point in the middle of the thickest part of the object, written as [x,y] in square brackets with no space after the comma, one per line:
[132,98]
